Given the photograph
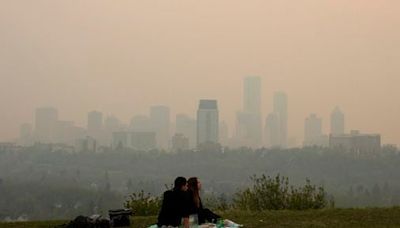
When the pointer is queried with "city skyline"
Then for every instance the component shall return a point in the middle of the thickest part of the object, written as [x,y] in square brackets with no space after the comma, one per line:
[207,127]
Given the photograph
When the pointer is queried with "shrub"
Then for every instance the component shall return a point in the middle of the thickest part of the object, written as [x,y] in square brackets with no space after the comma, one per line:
[269,193]
[143,204]
[216,203]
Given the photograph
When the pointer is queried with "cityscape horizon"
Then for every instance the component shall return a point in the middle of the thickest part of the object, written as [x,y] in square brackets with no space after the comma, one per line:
[251,129]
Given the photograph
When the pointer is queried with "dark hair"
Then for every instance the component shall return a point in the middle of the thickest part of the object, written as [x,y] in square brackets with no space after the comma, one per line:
[179,182]
[194,189]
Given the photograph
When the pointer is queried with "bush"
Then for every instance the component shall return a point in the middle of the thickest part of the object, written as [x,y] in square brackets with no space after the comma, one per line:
[143,204]
[269,193]
[216,203]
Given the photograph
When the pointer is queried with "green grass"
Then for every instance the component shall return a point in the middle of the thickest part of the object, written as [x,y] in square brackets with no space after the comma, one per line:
[42,224]
[371,217]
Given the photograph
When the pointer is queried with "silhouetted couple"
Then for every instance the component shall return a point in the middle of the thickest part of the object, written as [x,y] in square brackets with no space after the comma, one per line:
[182,202]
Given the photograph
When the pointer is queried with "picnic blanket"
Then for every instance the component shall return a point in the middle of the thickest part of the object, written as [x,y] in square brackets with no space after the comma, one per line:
[227,224]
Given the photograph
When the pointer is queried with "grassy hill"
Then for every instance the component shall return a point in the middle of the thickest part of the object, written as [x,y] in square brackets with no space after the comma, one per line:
[372,217]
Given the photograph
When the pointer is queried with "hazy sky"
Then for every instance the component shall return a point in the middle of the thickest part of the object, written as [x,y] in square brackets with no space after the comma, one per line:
[121,56]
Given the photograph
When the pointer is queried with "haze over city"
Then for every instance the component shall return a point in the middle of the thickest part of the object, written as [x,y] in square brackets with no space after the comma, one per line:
[122,57]
[199,113]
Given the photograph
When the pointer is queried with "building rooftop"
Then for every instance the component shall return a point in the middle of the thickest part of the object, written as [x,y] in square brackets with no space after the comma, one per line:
[355,134]
[208,104]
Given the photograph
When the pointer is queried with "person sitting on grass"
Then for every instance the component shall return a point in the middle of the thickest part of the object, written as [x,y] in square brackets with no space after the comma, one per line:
[195,205]
[174,208]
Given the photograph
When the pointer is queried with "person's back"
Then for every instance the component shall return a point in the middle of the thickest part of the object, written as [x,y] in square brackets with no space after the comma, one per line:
[195,206]
[168,215]
[174,205]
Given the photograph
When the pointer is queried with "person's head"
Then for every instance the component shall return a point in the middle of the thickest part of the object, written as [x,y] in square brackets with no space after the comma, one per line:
[194,184]
[180,183]
[194,187]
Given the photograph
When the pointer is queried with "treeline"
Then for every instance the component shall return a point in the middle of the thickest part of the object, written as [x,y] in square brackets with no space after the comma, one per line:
[354,180]
[38,201]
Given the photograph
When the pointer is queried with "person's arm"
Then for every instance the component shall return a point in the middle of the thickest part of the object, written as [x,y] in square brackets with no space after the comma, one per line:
[160,219]
[185,207]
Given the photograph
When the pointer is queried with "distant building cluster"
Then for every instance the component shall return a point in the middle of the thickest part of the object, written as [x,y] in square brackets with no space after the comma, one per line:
[356,143]
[158,131]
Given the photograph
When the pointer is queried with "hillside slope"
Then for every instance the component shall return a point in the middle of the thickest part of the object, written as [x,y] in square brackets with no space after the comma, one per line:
[371,217]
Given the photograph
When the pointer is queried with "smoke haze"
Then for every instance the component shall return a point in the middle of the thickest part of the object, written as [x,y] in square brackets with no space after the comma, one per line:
[121,57]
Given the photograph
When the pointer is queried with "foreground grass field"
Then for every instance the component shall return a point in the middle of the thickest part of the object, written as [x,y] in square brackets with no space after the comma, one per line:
[372,217]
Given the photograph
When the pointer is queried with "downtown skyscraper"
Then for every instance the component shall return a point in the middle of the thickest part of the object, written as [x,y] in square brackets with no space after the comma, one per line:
[207,122]
[337,122]
[272,131]
[252,95]
[281,110]
[248,125]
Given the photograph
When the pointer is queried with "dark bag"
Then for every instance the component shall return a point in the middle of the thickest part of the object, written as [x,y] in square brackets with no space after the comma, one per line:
[120,218]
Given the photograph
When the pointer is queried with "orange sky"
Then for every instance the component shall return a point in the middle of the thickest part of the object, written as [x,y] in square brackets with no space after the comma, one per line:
[122,56]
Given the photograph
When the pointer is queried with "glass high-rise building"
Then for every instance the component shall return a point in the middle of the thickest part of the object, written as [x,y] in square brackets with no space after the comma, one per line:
[281,109]
[249,123]
[252,95]
[337,122]
[207,122]
[272,131]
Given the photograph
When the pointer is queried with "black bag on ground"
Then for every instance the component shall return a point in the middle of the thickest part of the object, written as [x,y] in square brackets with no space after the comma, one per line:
[120,218]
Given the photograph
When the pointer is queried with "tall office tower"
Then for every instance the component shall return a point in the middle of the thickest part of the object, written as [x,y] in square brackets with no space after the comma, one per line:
[160,120]
[281,109]
[252,95]
[312,130]
[25,134]
[272,131]
[187,127]
[45,123]
[207,122]
[337,122]
[249,123]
